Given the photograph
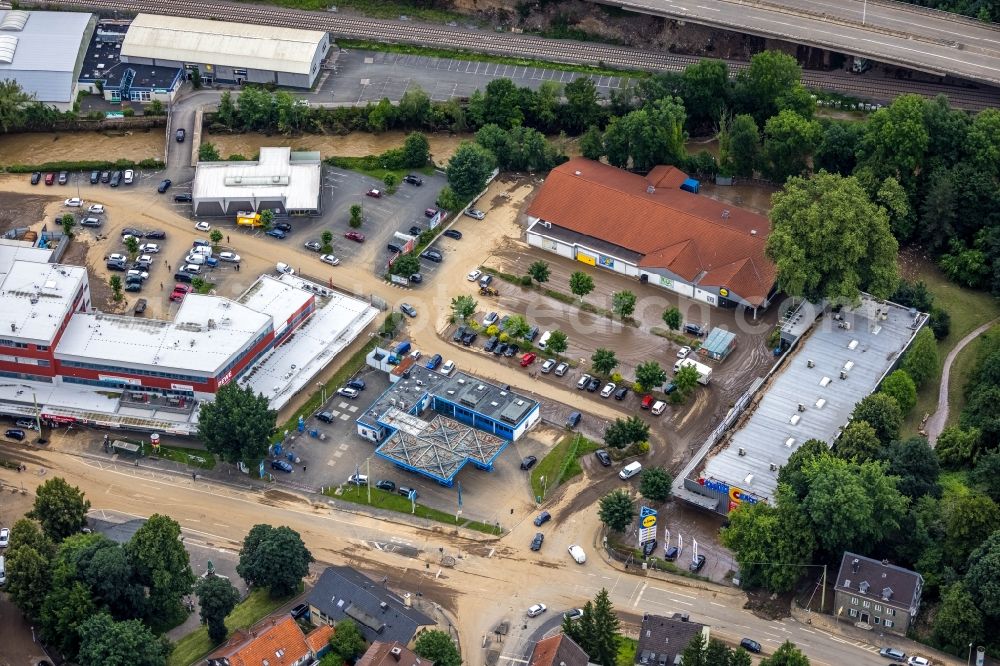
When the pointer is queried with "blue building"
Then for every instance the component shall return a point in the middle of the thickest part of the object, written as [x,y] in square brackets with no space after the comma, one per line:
[434,424]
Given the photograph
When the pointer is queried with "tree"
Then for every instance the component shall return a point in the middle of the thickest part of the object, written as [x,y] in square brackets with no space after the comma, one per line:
[28,578]
[539,271]
[356,216]
[327,239]
[790,474]
[604,641]
[469,168]
[414,109]
[381,116]
[705,90]
[672,318]
[391,180]
[983,476]
[13,104]
[894,199]
[882,413]
[106,568]
[966,518]
[900,386]
[685,381]
[266,219]
[603,361]
[913,462]
[837,151]
[416,150]
[650,375]
[654,484]
[207,152]
[830,241]
[132,246]
[623,304]
[741,138]
[502,104]
[28,533]
[789,141]
[786,655]
[759,87]
[448,200]
[516,327]
[67,222]
[347,643]
[129,643]
[275,558]
[225,114]
[982,580]
[648,136]
[162,565]
[216,600]
[921,361]
[558,342]
[237,425]
[581,284]
[216,237]
[895,140]
[616,510]
[406,265]
[463,307]
[958,623]
[858,442]
[582,107]
[592,143]
[623,432]
[60,508]
[438,647]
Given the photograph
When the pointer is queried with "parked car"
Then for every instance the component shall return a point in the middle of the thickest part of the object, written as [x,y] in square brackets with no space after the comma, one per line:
[670,553]
[183,276]
[574,614]
[50,178]
[697,564]
[155,234]
[548,365]
[469,337]
[128,177]
[406,491]
[447,368]
[394,248]
[458,334]
[415,230]
[510,350]
[179,292]
[576,552]
[281,465]
[485,280]
[659,407]
[95,176]
[648,547]
[284,226]
[893,654]
[593,385]
[313,245]
[203,226]
[355,236]
[96,209]
[329,259]
[491,344]
[432,255]
[608,389]
[561,369]
[670,388]
[91,222]
[918,661]
[694,329]
[358,479]
[116,265]
[36,177]
[15,433]
[301,610]
[583,381]
[63,177]
[500,349]
[348,392]
[475,214]
[182,197]
[528,462]
[573,420]
[536,543]
[164,185]
[536,610]
[413,180]
[133,285]
[149,248]
[490,318]
[116,178]
[357,383]
[473,275]
[621,393]
[231,257]
[416,278]
[374,193]
[603,457]
[4,537]
[275,233]
[750,645]
[528,359]
[542,518]
[105,176]
[74,202]
[27,424]
[389,486]
[452,233]
[683,352]
[181,133]
[430,212]
[408,309]
[325,417]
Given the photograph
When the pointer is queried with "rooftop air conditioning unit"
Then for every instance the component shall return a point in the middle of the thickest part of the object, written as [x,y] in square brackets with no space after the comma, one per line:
[843,374]
[810,363]
[742,451]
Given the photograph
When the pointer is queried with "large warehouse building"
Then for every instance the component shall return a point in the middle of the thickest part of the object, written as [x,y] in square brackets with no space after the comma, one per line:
[650,228]
[44,52]
[281,180]
[227,52]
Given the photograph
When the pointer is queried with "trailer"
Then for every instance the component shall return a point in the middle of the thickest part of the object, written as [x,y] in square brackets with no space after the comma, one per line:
[704,372]
[249,219]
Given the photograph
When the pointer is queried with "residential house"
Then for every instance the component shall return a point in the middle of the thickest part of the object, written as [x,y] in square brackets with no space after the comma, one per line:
[663,639]
[558,650]
[877,595]
[275,641]
[392,653]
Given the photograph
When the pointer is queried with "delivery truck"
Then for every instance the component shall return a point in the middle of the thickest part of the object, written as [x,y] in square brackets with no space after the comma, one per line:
[704,372]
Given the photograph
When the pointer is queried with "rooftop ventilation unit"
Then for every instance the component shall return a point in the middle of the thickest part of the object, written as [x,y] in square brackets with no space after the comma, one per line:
[810,363]
[742,451]
[789,442]
[795,419]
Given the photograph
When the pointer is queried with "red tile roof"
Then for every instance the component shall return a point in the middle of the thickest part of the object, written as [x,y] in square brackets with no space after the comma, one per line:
[707,242]
[278,641]
[380,654]
[319,637]
[558,650]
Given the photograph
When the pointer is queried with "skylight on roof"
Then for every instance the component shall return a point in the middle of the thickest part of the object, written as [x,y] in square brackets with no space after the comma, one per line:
[14,21]
[8,44]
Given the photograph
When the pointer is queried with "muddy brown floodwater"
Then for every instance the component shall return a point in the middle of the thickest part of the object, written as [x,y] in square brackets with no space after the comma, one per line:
[39,147]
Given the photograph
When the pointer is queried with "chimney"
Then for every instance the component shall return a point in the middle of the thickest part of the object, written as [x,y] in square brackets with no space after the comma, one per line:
[856,565]
[885,563]
[396,653]
[384,606]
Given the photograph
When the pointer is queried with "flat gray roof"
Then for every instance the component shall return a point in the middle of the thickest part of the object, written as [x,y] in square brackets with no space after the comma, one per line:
[808,398]
[40,50]
[496,402]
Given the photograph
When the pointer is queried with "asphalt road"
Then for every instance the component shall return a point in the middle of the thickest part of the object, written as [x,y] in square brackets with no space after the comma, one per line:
[888,32]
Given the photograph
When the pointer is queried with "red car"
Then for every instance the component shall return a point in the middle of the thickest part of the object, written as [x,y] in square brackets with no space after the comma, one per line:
[528,359]
[355,236]
[50,178]
[179,292]
[647,402]
[374,193]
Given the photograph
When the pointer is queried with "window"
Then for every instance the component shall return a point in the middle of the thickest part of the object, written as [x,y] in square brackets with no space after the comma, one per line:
[878,608]
[42,347]
[854,612]
[854,600]
[888,624]
[43,362]
[867,604]
[891,612]
[878,620]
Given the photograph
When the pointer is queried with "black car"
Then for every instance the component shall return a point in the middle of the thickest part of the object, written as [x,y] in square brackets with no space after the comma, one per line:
[386,485]
[181,133]
[671,553]
[416,278]
[511,350]
[621,393]
[542,518]
[183,276]
[648,548]
[500,349]
[325,417]
[182,197]
[750,645]
[95,176]
[302,610]
[155,234]
[36,177]
[536,543]
[593,384]
[532,334]
[603,457]
[15,433]
[413,180]
[357,383]
[453,233]
[116,178]
[90,222]
[697,564]
[406,490]
[140,306]
[281,465]
[164,185]
[117,266]
[469,338]
[132,231]
[432,255]
[573,420]
[528,462]
[415,230]
[133,285]
[491,344]
[459,334]
[105,176]
[283,226]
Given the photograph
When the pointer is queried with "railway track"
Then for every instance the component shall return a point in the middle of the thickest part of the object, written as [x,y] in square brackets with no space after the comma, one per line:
[519,46]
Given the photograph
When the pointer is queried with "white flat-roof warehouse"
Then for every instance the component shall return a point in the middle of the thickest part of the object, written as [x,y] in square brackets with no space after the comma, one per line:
[44,51]
[840,360]
[281,180]
[230,52]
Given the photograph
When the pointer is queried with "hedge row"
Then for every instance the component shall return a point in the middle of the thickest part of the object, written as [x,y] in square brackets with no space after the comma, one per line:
[84,165]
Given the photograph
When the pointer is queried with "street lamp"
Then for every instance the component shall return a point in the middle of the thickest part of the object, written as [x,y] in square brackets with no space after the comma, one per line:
[322,388]
[864,12]
[969,660]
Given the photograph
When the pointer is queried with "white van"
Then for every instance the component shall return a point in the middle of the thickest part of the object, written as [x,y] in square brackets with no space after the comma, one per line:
[544,340]
[203,250]
[630,470]
[284,268]
[658,407]
[3,571]
[193,258]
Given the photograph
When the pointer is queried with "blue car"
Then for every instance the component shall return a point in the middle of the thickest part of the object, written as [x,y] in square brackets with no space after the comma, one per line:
[434,362]
[276,233]
[281,465]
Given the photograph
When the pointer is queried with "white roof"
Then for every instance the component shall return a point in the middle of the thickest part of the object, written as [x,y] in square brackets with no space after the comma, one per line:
[274,175]
[36,297]
[247,46]
[40,50]
[278,299]
[204,335]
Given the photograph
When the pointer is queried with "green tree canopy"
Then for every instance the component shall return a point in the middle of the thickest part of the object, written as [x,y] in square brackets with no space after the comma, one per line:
[967,516]
[13,103]
[654,484]
[790,474]
[414,108]
[406,265]
[469,168]
[592,143]
[770,75]
[623,432]
[603,361]
[539,271]
[581,284]
[162,565]
[347,642]
[583,109]
[650,375]
[438,647]
[789,141]
[882,413]
[604,640]
[237,425]
[786,655]
[830,241]
[648,136]
[216,600]
[900,386]
[60,508]
[706,91]
[982,580]
[416,150]
[623,303]
[858,442]
[685,381]
[913,462]
[128,643]
[837,151]
[29,579]
[616,510]
[739,146]
[921,360]
[958,622]
[672,318]
[516,327]
[463,307]
[558,342]
[275,558]
[895,140]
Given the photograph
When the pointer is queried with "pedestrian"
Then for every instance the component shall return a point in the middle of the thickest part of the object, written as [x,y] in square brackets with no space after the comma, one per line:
[194,476]
[161,286]
[303,468]
[165,263]
[512,512]
[168,267]
[237,268]
[227,238]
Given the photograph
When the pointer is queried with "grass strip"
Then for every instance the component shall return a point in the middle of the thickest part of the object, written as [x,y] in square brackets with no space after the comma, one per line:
[248,612]
[560,464]
[191,457]
[368,165]
[383,499]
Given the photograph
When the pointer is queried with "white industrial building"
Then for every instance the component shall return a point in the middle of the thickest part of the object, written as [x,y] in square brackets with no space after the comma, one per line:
[44,52]
[281,180]
[227,52]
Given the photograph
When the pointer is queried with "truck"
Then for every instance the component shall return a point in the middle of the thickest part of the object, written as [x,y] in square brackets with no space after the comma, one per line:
[704,372]
[399,352]
[248,219]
